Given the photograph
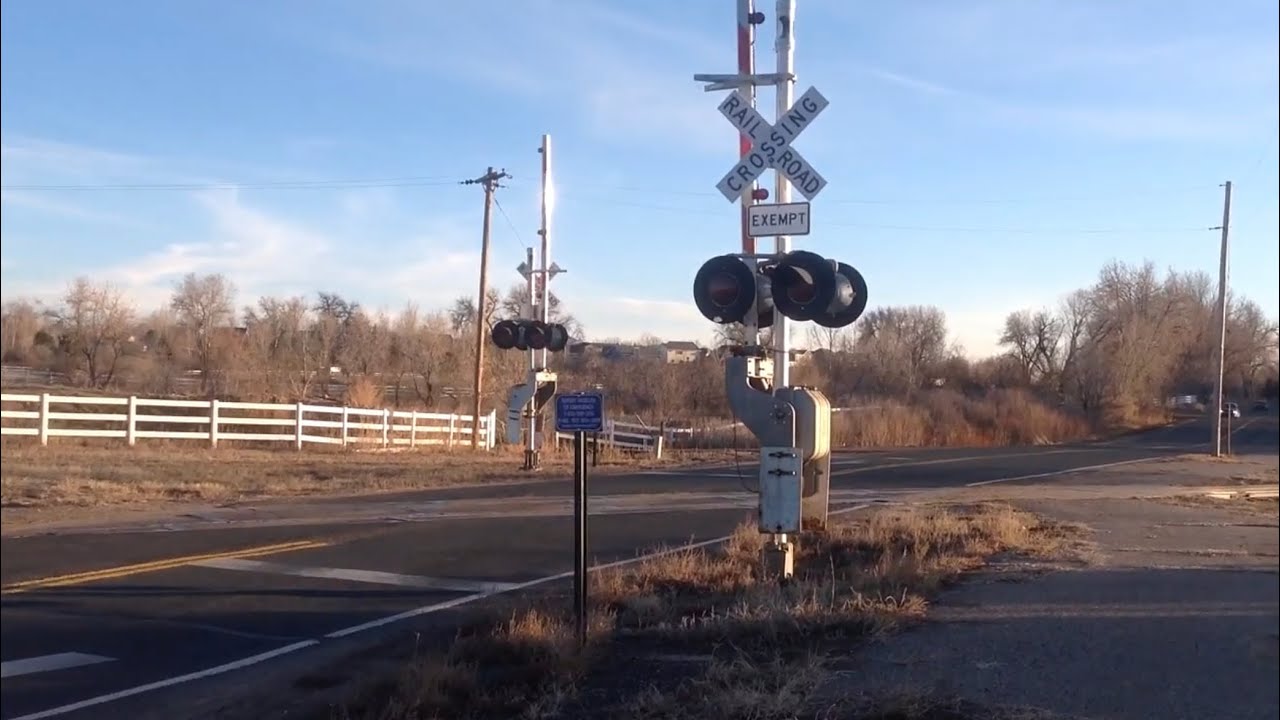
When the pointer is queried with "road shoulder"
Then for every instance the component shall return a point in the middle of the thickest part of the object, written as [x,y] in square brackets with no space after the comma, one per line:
[1175,616]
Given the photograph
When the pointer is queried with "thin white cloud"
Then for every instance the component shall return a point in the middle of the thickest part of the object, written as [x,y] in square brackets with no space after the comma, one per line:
[46,204]
[657,309]
[266,253]
[1112,121]
[364,204]
[628,318]
[253,248]
[629,76]
[648,110]
[1125,123]
[1103,70]
[906,81]
[25,156]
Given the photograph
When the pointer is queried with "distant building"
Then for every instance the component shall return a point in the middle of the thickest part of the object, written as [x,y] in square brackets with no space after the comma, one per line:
[676,351]
[681,351]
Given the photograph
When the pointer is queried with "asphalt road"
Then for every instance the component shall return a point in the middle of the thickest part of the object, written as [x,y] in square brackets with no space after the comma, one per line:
[118,621]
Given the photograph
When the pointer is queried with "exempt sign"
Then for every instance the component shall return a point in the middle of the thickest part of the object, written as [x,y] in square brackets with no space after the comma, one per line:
[781,219]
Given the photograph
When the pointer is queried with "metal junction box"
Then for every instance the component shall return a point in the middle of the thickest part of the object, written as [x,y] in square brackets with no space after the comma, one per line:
[813,420]
[780,485]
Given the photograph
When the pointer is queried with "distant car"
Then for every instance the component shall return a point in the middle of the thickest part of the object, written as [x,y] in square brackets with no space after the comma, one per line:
[1231,409]
[1261,406]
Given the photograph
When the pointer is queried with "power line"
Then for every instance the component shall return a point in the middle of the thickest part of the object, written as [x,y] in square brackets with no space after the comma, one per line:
[928,228]
[594,189]
[407,181]
[502,211]
[1022,231]
[435,181]
[1059,198]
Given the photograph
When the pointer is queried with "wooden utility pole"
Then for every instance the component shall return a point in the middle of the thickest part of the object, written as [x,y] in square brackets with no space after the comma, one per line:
[490,182]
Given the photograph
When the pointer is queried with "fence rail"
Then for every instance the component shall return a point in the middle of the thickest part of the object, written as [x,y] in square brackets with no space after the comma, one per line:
[629,437]
[136,418]
[639,437]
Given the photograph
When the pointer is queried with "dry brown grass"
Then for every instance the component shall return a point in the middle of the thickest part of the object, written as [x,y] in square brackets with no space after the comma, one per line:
[362,392]
[524,666]
[949,419]
[88,474]
[1262,506]
[1200,457]
[925,706]
[1121,415]
[758,648]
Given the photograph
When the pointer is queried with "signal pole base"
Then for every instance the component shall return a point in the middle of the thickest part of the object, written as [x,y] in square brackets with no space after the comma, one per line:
[531,460]
[777,559]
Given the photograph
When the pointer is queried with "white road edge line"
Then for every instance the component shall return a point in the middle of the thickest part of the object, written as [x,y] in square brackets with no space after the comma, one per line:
[1242,426]
[426,610]
[361,576]
[235,665]
[48,663]
[675,473]
[1063,472]
[948,461]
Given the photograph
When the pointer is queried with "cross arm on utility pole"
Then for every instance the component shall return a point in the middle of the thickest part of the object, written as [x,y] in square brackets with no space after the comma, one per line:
[489,179]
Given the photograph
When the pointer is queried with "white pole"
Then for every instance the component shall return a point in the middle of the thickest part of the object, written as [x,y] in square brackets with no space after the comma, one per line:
[545,232]
[747,66]
[1222,323]
[530,441]
[786,90]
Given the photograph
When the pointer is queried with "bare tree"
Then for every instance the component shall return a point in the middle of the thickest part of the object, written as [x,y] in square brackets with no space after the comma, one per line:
[513,303]
[425,345]
[280,348]
[829,339]
[163,352]
[333,318]
[462,313]
[93,327]
[907,342]
[735,334]
[399,361]
[205,308]
[1017,337]
[1251,344]
[20,322]
[1034,340]
[366,343]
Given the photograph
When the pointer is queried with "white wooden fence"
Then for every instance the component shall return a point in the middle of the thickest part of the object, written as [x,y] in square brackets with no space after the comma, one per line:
[631,437]
[135,418]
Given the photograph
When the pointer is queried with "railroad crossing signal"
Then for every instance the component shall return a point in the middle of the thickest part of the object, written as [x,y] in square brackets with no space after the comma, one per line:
[771,144]
[801,285]
[529,335]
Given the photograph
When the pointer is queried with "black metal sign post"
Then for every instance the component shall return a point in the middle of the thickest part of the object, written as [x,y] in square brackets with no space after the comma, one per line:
[580,413]
[580,534]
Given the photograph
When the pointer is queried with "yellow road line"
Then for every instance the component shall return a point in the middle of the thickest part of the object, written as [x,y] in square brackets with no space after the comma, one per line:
[126,570]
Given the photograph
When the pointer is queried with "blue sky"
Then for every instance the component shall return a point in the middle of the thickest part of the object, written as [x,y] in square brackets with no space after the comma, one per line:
[982,156]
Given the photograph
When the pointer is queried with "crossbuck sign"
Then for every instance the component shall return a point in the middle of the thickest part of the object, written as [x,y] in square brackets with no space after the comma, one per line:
[771,145]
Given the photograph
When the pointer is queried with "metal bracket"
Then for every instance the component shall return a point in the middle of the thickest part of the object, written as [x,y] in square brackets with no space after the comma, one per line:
[546,389]
[770,419]
[780,483]
[733,81]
